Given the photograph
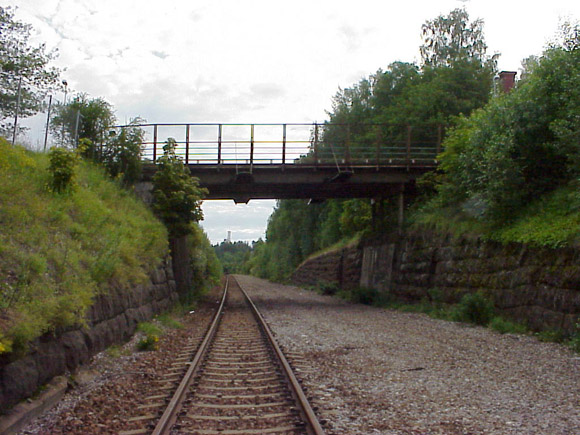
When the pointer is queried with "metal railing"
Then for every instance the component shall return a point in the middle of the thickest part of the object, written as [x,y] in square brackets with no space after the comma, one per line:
[296,144]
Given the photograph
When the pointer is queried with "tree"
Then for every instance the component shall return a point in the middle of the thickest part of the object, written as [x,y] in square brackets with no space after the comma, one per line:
[356,216]
[568,36]
[87,123]
[176,194]
[121,154]
[83,118]
[22,66]
[521,145]
[447,39]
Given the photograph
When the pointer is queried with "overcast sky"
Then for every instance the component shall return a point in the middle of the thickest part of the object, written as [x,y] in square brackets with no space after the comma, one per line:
[253,61]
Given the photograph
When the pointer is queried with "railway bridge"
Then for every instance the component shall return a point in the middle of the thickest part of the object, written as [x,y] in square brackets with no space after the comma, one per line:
[293,160]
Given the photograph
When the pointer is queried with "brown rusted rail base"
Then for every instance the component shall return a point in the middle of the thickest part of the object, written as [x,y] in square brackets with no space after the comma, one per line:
[170,415]
[312,424]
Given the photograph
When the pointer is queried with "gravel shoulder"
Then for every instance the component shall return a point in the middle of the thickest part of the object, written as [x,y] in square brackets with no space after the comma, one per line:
[371,370]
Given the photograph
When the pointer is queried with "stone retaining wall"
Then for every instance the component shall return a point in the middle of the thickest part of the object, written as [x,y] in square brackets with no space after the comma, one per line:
[112,319]
[537,286]
[341,267]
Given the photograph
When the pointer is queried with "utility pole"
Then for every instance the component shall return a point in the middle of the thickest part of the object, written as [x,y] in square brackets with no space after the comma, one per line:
[47,121]
[17,109]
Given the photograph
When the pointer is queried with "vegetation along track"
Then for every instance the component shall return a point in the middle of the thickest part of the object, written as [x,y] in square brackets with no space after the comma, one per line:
[239,382]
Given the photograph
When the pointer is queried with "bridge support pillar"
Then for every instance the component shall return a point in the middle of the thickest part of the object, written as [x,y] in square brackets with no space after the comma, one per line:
[401,214]
[377,212]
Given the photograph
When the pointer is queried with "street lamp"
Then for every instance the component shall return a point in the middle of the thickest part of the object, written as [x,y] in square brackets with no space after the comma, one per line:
[17,109]
[64,82]
[47,121]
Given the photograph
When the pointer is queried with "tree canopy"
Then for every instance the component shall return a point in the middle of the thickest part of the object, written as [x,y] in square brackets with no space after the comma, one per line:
[521,145]
[176,194]
[83,117]
[451,38]
[22,65]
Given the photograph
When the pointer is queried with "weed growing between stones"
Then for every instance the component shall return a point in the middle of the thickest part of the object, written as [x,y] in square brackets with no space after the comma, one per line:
[117,351]
[504,326]
[152,333]
[574,342]
[168,321]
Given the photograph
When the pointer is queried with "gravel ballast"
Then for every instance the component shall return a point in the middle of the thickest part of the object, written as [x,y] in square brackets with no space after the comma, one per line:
[371,370]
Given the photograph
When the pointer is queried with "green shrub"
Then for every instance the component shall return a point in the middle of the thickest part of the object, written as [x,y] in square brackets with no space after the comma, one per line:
[474,308]
[327,287]
[551,336]
[122,153]
[61,169]
[504,326]
[152,333]
[177,195]
[574,342]
[360,295]
[435,295]
[364,295]
[204,265]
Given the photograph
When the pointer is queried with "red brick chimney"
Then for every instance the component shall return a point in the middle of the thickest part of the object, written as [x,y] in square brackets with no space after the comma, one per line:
[507,80]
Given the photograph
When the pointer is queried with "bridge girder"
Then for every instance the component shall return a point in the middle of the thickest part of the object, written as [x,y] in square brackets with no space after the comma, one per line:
[242,183]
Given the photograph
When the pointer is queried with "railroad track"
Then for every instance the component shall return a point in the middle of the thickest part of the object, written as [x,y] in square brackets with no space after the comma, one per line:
[238,382]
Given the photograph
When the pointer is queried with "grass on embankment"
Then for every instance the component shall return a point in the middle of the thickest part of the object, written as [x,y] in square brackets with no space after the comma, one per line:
[341,244]
[57,251]
[552,220]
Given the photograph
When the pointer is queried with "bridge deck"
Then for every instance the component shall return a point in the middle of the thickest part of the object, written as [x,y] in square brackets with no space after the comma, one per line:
[243,182]
[282,161]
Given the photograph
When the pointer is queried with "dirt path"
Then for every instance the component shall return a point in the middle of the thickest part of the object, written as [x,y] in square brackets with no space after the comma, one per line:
[380,371]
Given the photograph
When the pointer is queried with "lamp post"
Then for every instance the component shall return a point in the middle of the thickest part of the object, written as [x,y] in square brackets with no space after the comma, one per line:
[64,82]
[17,109]
[47,121]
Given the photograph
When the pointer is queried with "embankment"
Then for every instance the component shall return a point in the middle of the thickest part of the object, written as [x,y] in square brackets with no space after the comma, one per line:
[537,286]
[79,267]
[112,319]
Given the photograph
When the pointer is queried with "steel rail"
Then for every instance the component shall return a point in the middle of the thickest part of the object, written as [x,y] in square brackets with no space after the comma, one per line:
[313,426]
[170,414]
